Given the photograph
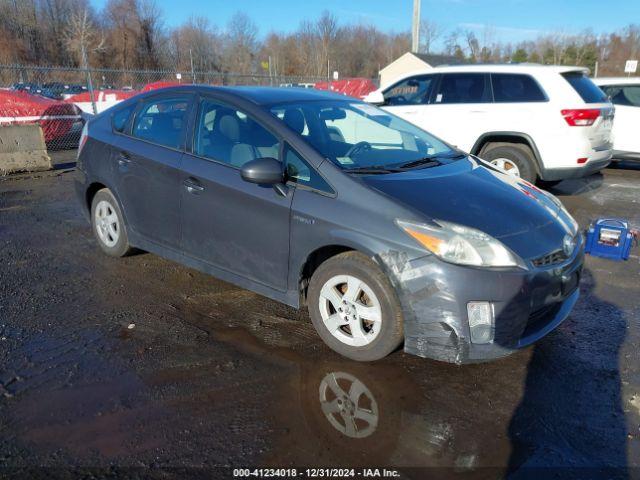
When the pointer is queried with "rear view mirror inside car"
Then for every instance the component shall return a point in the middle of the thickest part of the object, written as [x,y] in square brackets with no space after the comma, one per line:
[333,114]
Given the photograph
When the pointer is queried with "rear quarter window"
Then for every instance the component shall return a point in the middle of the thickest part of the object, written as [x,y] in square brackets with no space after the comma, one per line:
[120,119]
[515,87]
[588,91]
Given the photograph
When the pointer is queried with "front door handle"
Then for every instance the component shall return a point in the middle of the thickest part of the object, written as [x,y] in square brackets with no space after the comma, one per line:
[193,186]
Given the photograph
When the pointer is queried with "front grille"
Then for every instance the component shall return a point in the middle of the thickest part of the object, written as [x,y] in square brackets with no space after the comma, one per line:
[550,259]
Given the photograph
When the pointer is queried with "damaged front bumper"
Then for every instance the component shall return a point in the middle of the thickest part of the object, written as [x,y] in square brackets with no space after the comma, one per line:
[434,295]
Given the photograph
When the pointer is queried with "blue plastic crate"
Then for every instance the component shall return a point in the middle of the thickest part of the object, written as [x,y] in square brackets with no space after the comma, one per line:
[610,238]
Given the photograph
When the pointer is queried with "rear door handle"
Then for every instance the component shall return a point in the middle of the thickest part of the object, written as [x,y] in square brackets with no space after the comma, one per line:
[193,186]
[123,159]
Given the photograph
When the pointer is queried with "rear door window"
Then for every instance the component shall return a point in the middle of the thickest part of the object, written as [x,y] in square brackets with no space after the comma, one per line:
[588,91]
[515,87]
[162,120]
[627,95]
[463,88]
[412,91]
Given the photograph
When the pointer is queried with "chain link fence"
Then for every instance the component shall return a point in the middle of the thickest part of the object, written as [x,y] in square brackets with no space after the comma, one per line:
[60,99]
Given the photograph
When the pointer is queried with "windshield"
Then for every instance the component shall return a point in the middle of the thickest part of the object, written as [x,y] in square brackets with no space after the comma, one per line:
[357,136]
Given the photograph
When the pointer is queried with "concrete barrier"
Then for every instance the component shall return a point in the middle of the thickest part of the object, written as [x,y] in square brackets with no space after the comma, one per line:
[22,149]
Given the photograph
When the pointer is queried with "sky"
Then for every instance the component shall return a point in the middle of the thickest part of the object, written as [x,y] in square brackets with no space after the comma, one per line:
[508,20]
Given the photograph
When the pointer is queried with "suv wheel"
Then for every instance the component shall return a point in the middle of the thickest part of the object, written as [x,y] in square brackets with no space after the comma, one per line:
[108,224]
[354,308]
[514,159]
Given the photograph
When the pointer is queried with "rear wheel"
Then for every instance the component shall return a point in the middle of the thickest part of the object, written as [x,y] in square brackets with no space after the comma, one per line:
[354,308]
[108,224]
[513,159]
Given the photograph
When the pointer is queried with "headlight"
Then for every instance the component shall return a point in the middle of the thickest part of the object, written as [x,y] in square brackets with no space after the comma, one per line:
[462,245]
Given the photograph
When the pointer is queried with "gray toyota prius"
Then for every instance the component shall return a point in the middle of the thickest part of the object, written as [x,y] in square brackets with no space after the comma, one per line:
[387,234]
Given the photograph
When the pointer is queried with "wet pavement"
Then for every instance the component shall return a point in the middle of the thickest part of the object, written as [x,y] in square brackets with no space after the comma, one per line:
[139,366]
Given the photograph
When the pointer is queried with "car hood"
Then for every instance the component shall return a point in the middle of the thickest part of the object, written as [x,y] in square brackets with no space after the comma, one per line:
[508,208]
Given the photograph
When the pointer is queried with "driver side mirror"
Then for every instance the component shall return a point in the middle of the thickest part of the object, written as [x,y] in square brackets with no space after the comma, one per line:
[376,98]
[263,171]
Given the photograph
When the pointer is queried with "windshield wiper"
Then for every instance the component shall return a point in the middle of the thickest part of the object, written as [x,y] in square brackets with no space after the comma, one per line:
[431,161]
[426,162]
[372,169]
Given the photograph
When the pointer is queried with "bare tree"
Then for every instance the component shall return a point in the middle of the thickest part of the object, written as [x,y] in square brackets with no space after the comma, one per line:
[241,44]
[430,33]
[130,34]
[82,38]
[196,43]
[327,28]
[151,40]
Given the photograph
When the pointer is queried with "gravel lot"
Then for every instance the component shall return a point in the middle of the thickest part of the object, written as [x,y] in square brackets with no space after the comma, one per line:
[141,367]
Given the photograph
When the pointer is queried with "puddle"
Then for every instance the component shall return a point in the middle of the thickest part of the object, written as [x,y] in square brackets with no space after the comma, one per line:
[336,412]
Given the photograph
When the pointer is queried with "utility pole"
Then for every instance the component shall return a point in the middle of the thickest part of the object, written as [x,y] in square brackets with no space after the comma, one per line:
[415,27]
[85,64]
[193,72]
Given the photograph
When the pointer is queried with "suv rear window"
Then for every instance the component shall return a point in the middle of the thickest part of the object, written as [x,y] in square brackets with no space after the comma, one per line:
[514,87]
[588,91]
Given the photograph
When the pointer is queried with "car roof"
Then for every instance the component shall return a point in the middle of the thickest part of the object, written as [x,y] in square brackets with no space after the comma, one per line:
[530,68]
[266,95]
[617,80]
[511,67]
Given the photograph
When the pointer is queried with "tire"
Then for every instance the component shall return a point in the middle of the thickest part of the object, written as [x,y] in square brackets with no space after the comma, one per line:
[520,156]
[375,316]
[111,233]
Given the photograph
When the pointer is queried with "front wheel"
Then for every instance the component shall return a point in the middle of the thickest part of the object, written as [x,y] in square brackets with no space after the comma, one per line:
[513,159]
[354,308]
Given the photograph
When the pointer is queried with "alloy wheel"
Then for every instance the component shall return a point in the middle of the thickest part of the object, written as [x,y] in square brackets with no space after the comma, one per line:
[508,166]
[107,223]
[350,310]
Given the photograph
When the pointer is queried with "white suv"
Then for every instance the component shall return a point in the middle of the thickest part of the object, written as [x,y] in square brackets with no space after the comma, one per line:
[538,122]
[624,92]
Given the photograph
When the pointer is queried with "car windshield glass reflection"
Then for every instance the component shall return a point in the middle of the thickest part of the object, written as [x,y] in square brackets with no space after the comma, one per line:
[362,138]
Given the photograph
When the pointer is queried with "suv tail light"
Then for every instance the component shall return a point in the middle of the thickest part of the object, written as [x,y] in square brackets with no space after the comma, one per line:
[583,117]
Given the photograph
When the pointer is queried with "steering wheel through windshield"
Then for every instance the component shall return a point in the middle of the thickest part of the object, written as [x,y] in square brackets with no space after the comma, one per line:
[358,149]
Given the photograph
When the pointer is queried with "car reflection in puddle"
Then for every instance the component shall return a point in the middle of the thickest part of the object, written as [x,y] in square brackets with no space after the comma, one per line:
[349,415]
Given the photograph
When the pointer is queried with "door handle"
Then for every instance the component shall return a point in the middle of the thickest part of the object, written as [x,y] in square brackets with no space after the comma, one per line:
[123,159]
[193,186]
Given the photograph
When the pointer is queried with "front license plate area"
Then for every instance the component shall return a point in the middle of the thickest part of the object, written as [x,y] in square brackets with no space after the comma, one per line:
[570,283]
